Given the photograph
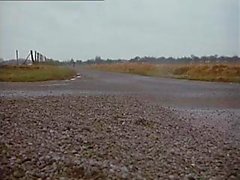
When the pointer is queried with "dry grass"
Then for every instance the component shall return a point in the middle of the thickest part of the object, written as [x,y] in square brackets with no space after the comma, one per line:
[210,72]
[34,73]
[132,68]
[205,72]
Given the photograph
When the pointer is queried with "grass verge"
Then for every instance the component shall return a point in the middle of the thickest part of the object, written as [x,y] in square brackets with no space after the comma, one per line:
[203,72]
[34,73]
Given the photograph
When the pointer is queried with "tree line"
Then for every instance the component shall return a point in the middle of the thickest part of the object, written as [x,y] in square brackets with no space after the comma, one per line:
[148,59]
[161,60]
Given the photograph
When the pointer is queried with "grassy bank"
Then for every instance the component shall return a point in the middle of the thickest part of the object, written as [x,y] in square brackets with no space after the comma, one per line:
[204,72]
[34,73]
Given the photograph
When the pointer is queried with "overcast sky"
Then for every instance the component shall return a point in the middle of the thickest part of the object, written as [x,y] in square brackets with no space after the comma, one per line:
[120,28]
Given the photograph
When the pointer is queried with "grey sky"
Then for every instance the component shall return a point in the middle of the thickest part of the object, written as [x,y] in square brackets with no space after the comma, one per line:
[120,28]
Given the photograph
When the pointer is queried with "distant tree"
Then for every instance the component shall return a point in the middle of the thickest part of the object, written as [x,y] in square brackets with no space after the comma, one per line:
[136,59]
[194,58]
[72,62]
[98,58]
[78,61]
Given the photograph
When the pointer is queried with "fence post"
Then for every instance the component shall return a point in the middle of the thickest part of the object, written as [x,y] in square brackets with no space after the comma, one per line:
[31,52]
[17,56]
[35,54]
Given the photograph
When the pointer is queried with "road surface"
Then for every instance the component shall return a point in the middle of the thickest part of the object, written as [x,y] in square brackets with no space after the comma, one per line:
[169,92]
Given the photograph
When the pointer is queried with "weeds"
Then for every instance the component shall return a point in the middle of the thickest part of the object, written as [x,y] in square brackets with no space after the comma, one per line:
[205,72]
[34,73]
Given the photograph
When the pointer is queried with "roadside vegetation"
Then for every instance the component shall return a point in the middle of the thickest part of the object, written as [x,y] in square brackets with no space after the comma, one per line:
[132,68]
[204,72]
[32,73]
[210,72]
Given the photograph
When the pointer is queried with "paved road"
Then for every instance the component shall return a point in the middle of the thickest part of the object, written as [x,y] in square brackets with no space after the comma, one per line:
[169,92]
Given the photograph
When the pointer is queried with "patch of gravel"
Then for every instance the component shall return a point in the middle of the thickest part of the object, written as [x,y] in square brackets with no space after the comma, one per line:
[114,137]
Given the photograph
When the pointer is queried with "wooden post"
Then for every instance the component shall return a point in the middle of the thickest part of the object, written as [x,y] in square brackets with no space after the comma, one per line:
[17,56]
[35,54]
[31,52]
[26,58]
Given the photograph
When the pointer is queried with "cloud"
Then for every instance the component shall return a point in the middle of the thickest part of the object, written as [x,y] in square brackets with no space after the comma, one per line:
[120,28]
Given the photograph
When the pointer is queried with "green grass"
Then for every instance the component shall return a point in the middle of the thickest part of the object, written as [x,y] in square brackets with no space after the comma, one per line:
[34,73]
[203,72]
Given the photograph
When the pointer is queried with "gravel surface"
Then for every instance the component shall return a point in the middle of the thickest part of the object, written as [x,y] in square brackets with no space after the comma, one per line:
[115,137]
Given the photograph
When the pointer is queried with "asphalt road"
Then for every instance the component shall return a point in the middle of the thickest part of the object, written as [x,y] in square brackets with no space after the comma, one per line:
[169,92]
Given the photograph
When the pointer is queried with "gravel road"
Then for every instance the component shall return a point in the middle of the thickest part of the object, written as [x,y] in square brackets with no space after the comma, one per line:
[119,126]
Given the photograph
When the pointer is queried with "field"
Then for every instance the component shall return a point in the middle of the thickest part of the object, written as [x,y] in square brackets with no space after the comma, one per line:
[205,72]
[34,73]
